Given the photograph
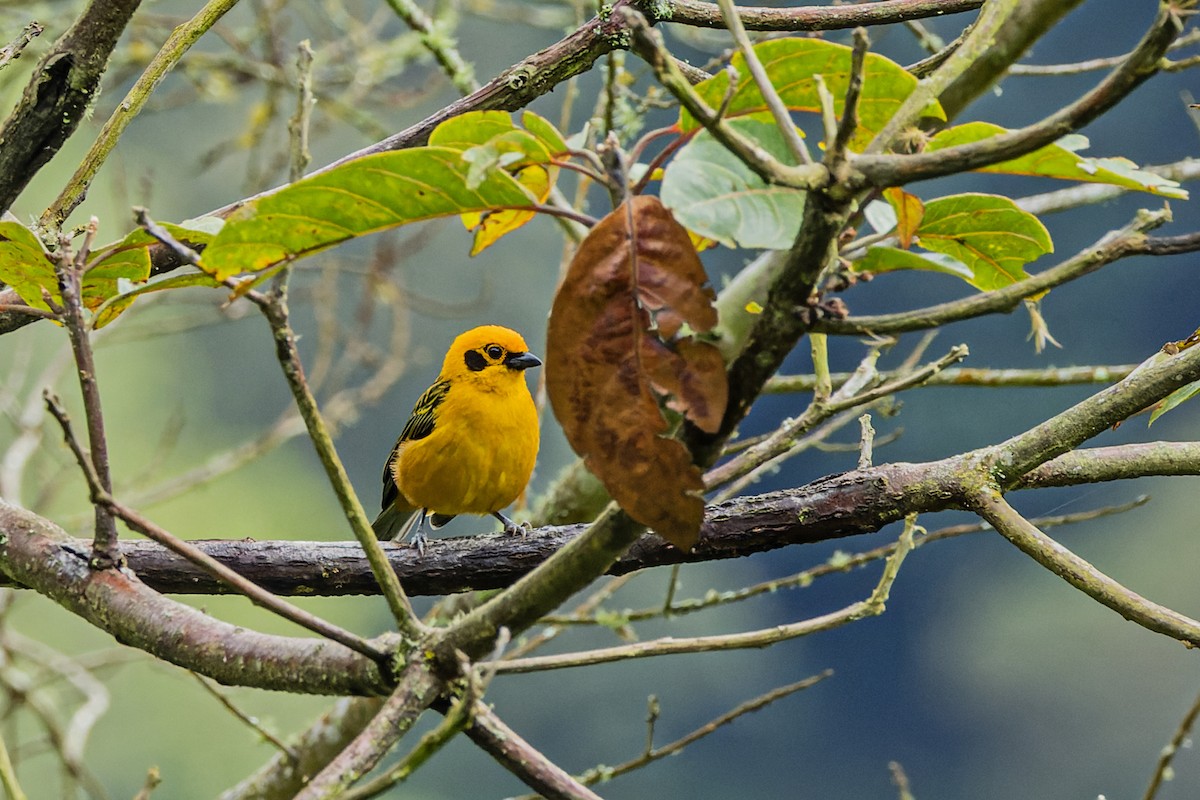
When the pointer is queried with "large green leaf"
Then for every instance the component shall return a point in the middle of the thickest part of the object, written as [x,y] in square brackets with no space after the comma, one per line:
[988,233]
[490,141]
[465,168]
[791,65]
[713,193]
[984,239]
[1061,161]
[364,196]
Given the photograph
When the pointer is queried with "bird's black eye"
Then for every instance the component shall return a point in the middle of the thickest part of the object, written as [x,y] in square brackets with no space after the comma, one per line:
[495,352]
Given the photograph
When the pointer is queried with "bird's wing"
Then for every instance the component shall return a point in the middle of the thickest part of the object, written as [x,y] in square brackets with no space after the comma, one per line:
[420,424]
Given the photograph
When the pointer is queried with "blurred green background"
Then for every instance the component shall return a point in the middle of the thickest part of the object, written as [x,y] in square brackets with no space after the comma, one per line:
[987,677]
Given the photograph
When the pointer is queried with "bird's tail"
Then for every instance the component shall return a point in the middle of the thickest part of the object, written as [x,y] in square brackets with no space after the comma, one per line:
[394,523]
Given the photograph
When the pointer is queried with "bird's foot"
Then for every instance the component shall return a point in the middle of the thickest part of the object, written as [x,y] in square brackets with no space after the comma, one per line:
[511,527]
[418,541]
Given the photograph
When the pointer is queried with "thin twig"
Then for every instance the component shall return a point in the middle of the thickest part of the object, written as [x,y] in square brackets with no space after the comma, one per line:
[274,308]
[298,125]
[845,399]
[12,51]
[72,740]
[1127,241]
[840,562]
[837,153]
[246,719]
[872,606]
[588,606]
[457,718]
[69,268]
[416,688]
[783,118]
[1162,770]
[649,45]
[153,779]
[439,44]
[900,780]
[652,754]
[180,40]
[528,763]
[866,442]
[8,775]
[968,376]
[1091,65]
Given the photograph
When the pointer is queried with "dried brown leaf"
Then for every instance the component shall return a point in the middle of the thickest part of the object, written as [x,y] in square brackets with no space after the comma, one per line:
[614,351]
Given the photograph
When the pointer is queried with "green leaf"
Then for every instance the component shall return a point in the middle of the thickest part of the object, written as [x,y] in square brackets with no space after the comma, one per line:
[984,239]
[544,130]
[363,196]
[496,130]
[28,268]
[989,234]
[791,64]
[128,260]
[465,168]
[25,265]
[116,305]
[1175,398]
[888,259]
[713,193]
[471,130]
[1060,160]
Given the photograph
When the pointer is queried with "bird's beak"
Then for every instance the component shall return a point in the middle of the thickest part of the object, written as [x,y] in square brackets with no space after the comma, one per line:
[522,361]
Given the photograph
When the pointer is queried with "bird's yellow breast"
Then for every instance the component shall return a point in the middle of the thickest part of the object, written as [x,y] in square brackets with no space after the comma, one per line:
[480,454]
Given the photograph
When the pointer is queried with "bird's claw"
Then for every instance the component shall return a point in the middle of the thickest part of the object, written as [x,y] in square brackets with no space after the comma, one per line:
[523,528]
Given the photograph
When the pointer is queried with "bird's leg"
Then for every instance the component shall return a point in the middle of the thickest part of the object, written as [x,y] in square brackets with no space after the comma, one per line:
[418,539]
[510,526]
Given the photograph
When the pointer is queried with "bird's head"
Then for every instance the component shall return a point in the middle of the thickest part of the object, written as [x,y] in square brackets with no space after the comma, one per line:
[487,351]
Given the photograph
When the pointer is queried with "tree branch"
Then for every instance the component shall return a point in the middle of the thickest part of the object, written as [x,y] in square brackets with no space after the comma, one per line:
[1143,62]
[35,553]
[1128,241]
[416,688]
[522,759]
[811,18]
[180,40]
[990,505]
[58,94]
[852,503]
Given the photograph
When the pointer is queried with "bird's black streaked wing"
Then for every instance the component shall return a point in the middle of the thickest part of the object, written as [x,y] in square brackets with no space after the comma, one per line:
[420,424]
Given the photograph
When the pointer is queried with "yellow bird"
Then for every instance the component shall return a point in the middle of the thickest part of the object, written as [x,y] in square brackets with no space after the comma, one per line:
[472,439]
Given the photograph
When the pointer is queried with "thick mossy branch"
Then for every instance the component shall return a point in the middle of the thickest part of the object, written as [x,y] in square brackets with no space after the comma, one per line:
[58,95]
